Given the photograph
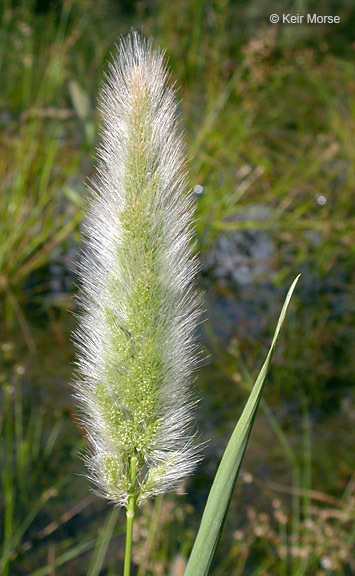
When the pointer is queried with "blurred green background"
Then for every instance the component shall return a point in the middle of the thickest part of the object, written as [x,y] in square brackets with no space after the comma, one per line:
[268,114]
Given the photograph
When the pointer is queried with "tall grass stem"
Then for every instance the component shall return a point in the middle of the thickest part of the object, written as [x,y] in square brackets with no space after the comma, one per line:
[130,517]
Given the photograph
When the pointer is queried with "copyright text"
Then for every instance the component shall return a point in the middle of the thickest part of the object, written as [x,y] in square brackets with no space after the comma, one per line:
[304,19]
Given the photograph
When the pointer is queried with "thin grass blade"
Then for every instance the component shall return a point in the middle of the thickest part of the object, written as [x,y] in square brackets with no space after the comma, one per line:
[103,544]
[67,556]
[219,498]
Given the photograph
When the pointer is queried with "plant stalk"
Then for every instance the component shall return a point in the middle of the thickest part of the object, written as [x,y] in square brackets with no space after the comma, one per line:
[130,516]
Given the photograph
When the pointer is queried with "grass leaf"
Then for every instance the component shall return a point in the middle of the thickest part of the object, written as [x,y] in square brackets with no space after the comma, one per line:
[219,498]
[103,544]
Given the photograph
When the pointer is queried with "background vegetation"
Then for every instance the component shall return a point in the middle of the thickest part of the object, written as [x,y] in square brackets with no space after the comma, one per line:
[268,112]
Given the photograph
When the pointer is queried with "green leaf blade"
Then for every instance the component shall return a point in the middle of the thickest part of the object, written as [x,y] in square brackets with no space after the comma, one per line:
[220,495]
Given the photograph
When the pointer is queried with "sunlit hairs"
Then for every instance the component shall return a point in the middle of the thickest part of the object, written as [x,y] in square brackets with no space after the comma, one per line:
[138,305]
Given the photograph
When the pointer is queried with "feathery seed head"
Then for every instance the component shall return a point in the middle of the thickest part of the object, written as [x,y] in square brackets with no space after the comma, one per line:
[139,308]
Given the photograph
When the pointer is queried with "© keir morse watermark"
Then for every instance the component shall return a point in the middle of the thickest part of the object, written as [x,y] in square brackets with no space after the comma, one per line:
[304,19]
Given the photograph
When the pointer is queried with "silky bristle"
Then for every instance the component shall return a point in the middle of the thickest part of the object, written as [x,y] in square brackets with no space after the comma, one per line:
[139,308]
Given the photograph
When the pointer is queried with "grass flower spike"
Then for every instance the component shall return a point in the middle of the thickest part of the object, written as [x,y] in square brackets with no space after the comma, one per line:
[136,345]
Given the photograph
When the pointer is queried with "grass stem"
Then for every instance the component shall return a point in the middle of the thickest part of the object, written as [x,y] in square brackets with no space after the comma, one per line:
[130,516]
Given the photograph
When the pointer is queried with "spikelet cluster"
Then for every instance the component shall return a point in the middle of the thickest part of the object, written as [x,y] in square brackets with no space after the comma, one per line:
[136,335]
